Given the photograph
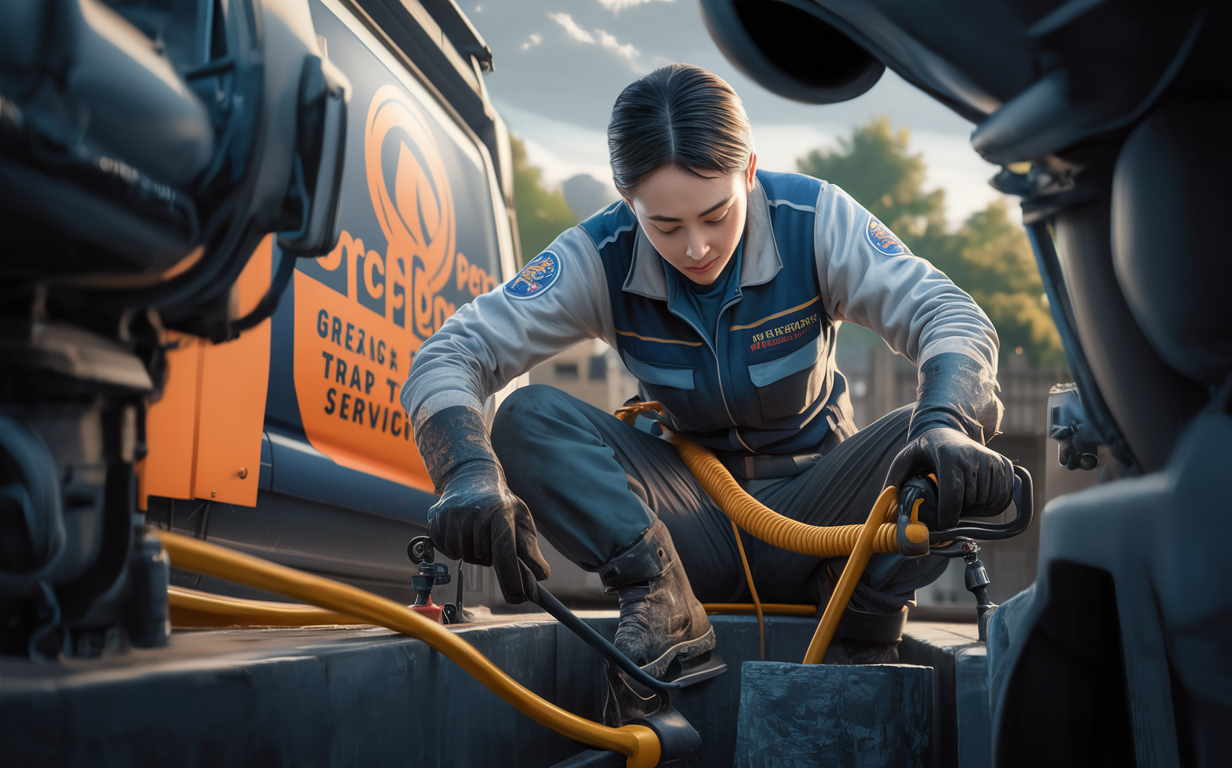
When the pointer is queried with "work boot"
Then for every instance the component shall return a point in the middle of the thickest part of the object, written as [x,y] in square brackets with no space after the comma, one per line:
[661,624]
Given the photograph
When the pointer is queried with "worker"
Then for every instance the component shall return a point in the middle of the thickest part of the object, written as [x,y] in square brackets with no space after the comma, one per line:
[722,287]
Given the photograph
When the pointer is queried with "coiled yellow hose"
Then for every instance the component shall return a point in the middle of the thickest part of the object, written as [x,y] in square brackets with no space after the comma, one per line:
[637,743]
[857,542]
[768,525]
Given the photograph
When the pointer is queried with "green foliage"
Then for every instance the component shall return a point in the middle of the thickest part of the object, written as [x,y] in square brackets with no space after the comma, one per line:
[542,214]
[999,271]
[989,257]
[873,167]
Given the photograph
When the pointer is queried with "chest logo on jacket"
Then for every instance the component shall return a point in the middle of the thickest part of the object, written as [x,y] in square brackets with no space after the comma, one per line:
[883,240]
[539,274]
[781,334]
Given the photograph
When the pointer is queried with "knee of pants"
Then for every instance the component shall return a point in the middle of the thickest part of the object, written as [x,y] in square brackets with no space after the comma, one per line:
[522,414]
[901,417]
[893,427]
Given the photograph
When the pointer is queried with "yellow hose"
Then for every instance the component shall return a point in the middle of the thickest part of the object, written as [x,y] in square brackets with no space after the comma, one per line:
[190,608]
[748,575]
[637,743]
[858,541]
[856,562]
[344,604]
[768,525]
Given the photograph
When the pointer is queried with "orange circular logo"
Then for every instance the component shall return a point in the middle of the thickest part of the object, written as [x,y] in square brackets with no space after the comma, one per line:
[415,206]
[355,346]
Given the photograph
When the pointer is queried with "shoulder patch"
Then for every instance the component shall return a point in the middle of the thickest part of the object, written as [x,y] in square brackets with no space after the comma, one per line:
[883,240]
[539,274]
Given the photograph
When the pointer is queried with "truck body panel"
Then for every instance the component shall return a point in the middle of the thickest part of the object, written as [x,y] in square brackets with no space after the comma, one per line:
[293,434]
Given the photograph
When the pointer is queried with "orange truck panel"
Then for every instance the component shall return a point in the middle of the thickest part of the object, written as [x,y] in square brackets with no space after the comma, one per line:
[354,342]
[204,434]
[171,426]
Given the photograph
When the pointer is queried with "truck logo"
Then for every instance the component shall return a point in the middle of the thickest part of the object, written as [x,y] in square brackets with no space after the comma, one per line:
[363,310]
[415,211]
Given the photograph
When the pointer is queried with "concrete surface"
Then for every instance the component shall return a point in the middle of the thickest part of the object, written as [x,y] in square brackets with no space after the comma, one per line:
[797,716]
[330,696]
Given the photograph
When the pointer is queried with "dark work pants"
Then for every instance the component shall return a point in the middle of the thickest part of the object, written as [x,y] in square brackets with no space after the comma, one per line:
[594,484]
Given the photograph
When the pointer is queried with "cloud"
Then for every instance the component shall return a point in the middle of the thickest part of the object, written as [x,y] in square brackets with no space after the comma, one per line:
[535,39]
[603,39]
[616,6]
[560,78]
[626,51]
[571,28]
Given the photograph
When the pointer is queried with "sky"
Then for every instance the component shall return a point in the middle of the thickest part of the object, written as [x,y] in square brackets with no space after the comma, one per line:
[559,65]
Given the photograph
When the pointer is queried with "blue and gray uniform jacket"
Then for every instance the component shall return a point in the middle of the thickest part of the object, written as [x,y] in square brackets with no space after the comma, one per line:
[762,380]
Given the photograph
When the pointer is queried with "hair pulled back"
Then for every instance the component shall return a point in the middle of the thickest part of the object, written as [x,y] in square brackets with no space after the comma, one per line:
[678,115]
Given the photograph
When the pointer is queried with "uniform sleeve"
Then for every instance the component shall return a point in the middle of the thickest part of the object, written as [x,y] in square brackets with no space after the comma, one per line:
[504,333]
[869,277]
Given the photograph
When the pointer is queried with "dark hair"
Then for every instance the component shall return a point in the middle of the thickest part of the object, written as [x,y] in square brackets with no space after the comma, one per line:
[678,115]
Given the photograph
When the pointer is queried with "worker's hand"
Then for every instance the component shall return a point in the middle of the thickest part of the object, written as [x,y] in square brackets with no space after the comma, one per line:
[479,520]
[972,480]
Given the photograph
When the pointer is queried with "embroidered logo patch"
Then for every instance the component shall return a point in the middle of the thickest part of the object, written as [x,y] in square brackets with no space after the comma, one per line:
[539,274]
[883,240]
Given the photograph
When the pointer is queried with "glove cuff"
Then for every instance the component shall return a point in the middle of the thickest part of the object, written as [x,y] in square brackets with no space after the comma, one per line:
[450,438]
[959,393]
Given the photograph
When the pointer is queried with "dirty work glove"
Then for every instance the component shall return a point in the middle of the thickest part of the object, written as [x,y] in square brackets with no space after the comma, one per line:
[478,519]
[956,412]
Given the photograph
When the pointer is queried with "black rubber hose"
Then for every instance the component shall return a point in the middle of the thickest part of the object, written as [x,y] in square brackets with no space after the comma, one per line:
[35,491]
[558,611]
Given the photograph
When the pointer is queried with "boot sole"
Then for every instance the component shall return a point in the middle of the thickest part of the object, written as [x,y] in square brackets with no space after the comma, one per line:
[682,651]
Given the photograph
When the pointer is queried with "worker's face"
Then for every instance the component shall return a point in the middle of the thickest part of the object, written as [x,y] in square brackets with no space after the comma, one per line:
[694,223]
